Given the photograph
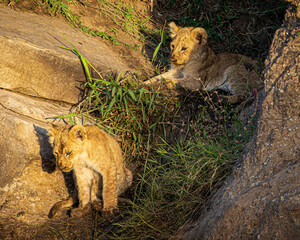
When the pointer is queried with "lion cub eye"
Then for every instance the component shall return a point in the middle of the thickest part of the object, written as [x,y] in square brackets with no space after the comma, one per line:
[183,49]
[172,46]
[68,154]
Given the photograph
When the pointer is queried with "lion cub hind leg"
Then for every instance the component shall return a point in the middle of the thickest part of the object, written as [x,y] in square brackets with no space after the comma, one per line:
[239,82]
[96,193]
[124,183]
[110,197]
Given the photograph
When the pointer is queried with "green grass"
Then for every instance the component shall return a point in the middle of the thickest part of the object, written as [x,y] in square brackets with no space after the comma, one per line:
[120,12]
[174,184]
[124,109]
[60,7]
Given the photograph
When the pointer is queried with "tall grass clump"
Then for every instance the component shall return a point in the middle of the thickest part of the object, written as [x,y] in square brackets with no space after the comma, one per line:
[174,184]
[124,109]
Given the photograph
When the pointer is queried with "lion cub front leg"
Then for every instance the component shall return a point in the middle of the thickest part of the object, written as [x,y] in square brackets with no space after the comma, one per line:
[174,78]
[95,192]
[170,75]
[84,179]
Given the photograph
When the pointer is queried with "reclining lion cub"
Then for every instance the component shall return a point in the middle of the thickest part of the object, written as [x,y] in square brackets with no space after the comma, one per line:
[195,66]
[90,152]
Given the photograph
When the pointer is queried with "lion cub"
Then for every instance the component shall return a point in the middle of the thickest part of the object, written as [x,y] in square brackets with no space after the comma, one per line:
[195,66]
[90,152]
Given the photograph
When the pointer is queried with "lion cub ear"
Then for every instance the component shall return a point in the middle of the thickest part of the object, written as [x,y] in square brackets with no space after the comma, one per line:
[78,133]
[173,29]
[199,35]
[52,129]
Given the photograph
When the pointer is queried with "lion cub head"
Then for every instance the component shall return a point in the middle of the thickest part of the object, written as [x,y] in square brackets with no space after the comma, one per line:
[68,144]
[186,42]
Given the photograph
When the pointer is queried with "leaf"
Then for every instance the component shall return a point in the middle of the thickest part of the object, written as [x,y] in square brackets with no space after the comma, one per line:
[156,51]
[131,94]
[113,92]
[151,102]
[85,66]
[126,105]
[119,93]
[111,104]
[141,93]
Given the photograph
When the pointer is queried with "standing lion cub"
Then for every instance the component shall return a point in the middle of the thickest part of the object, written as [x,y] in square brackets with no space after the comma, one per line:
[195,66]
[90,152]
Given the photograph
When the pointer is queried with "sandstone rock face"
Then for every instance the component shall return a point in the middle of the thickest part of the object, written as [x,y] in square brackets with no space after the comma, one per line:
[33,63]
[23,136]
[40,80]
[262,199]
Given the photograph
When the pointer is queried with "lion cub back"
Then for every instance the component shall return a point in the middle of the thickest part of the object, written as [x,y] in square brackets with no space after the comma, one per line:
[98,141]
[101,147]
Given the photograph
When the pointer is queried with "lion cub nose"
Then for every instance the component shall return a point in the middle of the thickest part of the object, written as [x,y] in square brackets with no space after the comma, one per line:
[61,165]
[173,60]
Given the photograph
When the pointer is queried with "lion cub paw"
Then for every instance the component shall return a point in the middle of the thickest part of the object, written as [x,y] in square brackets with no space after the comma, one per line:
[110,212]
[81,212]
[97,205]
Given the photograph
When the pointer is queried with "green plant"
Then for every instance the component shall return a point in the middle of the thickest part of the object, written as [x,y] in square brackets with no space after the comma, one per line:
[161,43]
[123,14]
[59,7]
[176,179]
[134,113]
[173,176]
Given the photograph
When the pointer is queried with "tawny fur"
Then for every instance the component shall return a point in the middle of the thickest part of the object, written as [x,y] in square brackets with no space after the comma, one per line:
[195,66]
[90,152]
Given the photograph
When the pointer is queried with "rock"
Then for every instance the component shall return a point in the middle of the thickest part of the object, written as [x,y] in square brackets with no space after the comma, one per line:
[23,135]
[25,204]
[33,63]
[40,80]
[262,199]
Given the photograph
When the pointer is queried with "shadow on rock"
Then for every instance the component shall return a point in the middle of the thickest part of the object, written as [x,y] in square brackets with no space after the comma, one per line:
[48,159]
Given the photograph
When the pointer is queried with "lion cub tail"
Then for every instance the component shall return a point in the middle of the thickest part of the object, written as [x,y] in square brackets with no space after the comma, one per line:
[125,182]
[128,178]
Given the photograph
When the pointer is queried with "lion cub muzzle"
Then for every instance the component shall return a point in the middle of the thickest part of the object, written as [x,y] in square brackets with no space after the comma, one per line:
[64,167]
[173,60]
